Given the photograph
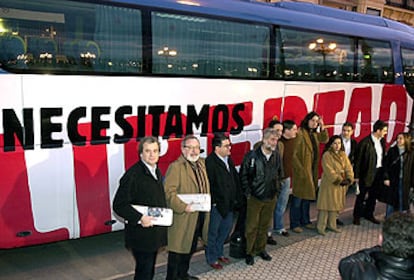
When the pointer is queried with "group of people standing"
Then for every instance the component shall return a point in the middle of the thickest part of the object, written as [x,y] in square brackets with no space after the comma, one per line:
[285,157]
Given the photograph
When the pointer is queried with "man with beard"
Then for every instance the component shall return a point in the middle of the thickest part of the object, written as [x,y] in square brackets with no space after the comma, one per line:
[261,172]
[186,175]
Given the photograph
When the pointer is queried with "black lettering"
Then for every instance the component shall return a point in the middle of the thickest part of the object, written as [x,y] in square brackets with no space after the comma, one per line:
[12,127]
[197,119]
[123,124]
[47,128]
[72,126]
[174,122]
[98,125]
[141,122]
[155,112]
[237,118]
[221,112]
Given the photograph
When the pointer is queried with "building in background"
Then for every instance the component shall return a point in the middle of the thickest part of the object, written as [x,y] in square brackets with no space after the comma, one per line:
[399,10]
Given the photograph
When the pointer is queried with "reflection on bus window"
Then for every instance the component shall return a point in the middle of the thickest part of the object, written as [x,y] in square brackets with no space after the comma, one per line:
[408,69]
[313,56]
[188,45]
[374,62]
[55,36]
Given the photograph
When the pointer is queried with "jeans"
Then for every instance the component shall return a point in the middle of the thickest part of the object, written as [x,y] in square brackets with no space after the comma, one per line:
[299,212]
[218,231]
[281,204]
[391,209]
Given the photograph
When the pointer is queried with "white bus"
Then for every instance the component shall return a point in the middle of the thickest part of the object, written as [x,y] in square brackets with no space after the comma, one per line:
[82,81]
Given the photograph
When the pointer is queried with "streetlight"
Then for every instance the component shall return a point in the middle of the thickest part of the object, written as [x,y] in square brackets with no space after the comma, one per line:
[167,52]
[319,46]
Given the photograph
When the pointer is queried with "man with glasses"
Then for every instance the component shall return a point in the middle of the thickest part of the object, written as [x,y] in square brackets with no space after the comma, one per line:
[186,175]
[225,194]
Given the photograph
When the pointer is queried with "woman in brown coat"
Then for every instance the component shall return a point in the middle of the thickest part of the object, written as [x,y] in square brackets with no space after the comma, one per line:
[305,162]
[336,177]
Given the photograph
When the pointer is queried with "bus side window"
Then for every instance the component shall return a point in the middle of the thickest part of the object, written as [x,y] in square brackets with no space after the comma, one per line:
[408,69]
[41,48]
[81,52]
[11,47]
[375,62]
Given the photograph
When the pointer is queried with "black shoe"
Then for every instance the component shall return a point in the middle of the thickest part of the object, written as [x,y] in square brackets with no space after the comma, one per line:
[265,256]
[373,220]
[356,221]
[249,260]
[271,241]
[339,222]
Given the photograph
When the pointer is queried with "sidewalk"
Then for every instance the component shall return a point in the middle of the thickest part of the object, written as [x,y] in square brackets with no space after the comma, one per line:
[313,257]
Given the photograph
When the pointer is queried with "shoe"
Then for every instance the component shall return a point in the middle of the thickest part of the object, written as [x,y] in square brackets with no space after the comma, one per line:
[356,221]
[310,226]
[283,232]
[265,256]
[373,220]
[335,230]
[297,230]
[339,222]
[322,232]
[216,266]
[224,260]
[271,241]
[249,260]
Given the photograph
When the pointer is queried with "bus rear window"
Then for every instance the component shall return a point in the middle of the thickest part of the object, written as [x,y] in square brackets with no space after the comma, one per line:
[50,36]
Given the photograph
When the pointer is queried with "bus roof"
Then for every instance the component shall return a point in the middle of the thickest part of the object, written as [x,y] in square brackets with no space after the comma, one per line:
[291,14]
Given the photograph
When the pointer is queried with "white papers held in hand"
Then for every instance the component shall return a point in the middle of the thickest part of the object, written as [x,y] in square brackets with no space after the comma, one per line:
[199,202]
[162,216]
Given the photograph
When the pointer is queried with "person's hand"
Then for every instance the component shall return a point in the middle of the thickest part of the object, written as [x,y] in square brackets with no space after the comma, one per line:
[188,208]
[321,123]
[345,182]
[387,183]
[146,221]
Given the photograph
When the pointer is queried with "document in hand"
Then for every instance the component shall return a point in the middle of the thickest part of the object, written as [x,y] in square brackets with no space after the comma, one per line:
[199,202]
[162,216]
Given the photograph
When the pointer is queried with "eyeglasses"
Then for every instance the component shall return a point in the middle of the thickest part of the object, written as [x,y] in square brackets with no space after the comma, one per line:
[192,147]
[226,146]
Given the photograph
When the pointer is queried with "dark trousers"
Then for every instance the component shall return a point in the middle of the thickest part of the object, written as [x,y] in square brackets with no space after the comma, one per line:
[364,207]
[179,264]
[144,264]
[258,219]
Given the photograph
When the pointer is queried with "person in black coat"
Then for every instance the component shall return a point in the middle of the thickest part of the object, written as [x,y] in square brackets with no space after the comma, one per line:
[398,175]
[350,144]
[142,185]
[225,195]
[368,171]
[393,260]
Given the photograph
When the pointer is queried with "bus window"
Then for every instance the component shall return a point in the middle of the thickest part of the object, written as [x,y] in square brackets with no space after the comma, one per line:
[374,64]
[189,45]
[408,69]
[50,36]
[313,56]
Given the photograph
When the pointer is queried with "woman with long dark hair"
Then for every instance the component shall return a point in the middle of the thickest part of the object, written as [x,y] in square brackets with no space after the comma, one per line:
[398,175]
[336,177]
[305,162]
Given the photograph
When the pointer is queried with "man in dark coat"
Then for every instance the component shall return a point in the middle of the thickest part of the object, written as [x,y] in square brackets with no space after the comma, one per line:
[393,260]
[225,194]
[142,185]
[368,171]
[260,175]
